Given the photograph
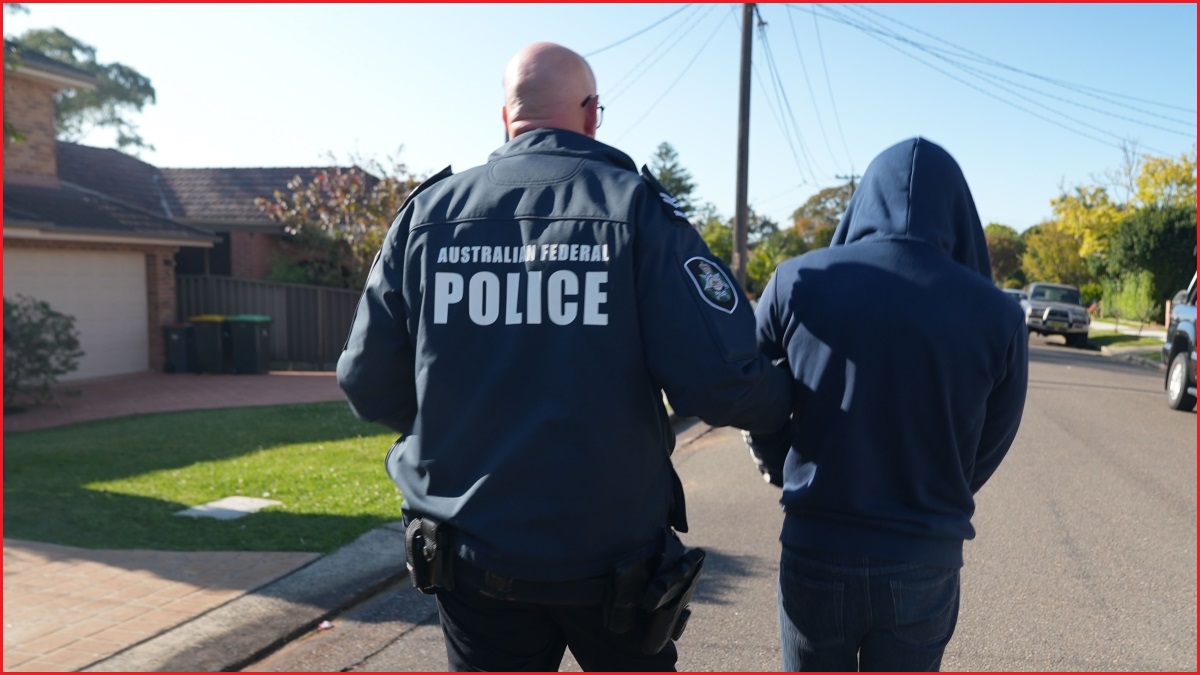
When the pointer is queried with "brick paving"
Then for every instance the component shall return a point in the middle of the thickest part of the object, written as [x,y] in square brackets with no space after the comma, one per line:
[156,392]
[65,607]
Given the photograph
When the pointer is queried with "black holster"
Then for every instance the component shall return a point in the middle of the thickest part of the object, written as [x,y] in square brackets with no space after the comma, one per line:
[623,600]
[665,603]
[428,555]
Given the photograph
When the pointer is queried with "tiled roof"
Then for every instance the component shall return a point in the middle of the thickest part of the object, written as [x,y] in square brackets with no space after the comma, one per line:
[208,196]
[70,208]
[213,195]
[117,175]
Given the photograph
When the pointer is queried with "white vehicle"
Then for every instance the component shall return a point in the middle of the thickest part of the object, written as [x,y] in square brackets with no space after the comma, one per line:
[1056,309]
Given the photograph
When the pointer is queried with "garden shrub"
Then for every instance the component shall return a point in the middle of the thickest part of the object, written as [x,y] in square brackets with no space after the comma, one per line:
[40,345]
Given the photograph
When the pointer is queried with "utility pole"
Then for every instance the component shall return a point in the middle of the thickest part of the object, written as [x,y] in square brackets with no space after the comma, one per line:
[741,251]
[852,178]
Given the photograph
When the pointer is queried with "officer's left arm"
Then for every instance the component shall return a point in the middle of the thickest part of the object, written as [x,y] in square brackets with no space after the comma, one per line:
[1005,406]
[377,367]
[698,328]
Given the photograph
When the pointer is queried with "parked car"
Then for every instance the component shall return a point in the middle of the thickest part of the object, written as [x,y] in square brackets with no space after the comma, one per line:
[1015,293]
[1056,309]
[1179,352]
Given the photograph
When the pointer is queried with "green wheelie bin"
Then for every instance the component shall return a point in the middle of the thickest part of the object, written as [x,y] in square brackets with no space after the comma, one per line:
[250,338]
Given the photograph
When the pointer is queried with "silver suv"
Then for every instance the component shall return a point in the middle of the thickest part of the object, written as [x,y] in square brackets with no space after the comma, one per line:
[1056,309]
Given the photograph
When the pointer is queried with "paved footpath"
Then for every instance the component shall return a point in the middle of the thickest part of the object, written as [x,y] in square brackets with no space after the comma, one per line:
[66,607]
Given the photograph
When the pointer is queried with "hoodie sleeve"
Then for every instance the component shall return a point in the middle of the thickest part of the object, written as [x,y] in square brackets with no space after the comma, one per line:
[698,329]
[1005,406]
[769,448]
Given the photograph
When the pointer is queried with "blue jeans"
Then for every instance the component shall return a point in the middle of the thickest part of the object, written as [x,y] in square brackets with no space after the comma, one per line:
[844,612]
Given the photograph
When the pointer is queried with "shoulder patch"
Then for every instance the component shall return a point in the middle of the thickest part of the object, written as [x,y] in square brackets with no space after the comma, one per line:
[670,204]
[712,283]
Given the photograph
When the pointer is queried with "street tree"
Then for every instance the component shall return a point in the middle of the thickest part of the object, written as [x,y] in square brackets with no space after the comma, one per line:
[771,251]
[665,166]
[758,226]
[1005,248]
[337,220]
[717,233]
[1160,241]
[1092,214]
[1052,254]
[816,219]
[1164,181]
[1089,215]
[120,90]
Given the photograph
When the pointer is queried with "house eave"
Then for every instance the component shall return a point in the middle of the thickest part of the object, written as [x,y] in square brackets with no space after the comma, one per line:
[44,231]
[60,79]
[264,227]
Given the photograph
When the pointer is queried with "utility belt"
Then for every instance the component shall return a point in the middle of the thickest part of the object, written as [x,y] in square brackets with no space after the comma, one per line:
[649,595]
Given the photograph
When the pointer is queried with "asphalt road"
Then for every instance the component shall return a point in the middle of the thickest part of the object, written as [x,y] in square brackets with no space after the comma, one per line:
[1085,558]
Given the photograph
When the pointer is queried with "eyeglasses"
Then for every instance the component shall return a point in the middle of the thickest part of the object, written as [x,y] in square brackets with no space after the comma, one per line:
[599,108]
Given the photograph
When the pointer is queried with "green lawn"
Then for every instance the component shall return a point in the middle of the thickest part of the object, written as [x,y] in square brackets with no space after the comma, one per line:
[116,483]
[1110,338]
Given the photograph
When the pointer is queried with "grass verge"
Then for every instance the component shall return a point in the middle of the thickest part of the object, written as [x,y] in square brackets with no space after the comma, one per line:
[117,483]
[1110,338]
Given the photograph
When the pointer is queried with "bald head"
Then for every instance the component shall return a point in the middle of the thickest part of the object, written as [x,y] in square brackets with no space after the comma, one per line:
[544,86]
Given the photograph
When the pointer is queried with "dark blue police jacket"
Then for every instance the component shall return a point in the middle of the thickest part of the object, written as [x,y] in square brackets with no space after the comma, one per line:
[519,327]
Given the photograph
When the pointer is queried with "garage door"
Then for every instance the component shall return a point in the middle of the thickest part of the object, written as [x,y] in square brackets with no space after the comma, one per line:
[104,291]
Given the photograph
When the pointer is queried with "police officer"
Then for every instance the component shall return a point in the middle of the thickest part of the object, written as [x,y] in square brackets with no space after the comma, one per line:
[518,328]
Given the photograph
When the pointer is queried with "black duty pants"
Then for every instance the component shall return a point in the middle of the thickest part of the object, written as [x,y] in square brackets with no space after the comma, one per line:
[487,634]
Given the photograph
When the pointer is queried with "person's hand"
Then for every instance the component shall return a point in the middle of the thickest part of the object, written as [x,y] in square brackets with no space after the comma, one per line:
[769,475]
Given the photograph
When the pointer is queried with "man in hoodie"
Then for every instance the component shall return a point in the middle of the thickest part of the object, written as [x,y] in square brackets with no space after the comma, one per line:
[911,369]
[519,328]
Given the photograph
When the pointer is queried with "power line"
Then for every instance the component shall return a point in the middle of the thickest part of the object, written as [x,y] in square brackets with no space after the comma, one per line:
[651,58]
[1066,85]
[875,33]
[768,95]
[784,102]
[829,85]
[671,86]
[627,39]
[812,96]
[991,78]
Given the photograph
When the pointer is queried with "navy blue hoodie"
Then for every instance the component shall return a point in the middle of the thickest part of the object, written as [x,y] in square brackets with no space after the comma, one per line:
[910,366]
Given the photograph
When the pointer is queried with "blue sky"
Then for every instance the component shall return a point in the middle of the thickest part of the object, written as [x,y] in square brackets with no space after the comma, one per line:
[1029,98]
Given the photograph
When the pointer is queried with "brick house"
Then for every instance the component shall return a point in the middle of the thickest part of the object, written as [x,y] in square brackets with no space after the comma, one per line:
[218,200]
[97,220]
[108,263]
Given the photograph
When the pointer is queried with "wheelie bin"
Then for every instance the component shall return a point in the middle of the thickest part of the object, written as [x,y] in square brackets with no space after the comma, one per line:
[212,342]
[250,337]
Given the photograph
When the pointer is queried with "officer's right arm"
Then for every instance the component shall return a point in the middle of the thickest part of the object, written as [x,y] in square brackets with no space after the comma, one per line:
[376,368]
[700,348]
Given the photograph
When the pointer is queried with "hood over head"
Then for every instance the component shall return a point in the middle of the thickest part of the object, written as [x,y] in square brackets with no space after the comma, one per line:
[915,190]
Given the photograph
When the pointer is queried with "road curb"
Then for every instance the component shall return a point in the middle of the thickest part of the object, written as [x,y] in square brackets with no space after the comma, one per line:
[241,631]
[1134,356]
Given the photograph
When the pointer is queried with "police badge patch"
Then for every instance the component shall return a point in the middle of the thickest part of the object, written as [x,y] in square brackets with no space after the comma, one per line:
[715,288]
